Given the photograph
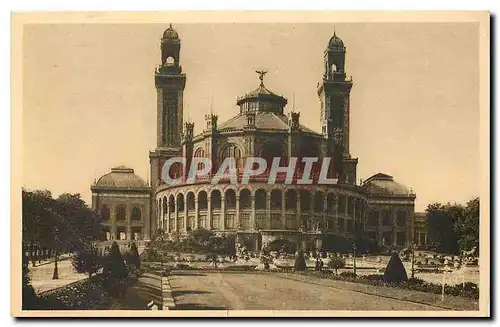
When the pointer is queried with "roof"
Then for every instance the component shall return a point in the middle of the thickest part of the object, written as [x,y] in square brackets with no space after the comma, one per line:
[170,33]
[264,120]
[336,43]
[262,93]
[384,184]
[121,177]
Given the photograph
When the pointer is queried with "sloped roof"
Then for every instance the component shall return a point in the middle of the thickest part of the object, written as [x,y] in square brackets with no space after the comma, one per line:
[264,120]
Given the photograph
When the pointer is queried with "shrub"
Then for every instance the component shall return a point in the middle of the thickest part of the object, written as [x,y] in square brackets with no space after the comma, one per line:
[395,271]
[348,275]
[336,263]
[87,261]
[300,262]
[115,272]
[134,257]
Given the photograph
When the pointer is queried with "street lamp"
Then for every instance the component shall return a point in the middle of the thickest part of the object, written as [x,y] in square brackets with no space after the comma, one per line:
[412,247]
[354,256]
[55,274]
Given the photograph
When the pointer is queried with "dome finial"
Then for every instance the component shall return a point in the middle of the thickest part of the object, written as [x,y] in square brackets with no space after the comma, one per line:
[334,32]
[261,76]
[171,25]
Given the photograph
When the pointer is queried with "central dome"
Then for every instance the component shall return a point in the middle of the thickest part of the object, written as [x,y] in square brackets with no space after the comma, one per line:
[262,99]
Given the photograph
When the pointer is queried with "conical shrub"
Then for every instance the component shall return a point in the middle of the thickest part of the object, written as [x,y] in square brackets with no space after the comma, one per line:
[395,271]
[300,262]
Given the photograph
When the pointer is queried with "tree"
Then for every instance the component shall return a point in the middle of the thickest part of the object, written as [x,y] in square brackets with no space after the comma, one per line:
[300,262]
[441,225]
[114,265]
[133,257]
[336,263]
[29,297]
[115,272]
[395,271]
[467,226]
[88,261]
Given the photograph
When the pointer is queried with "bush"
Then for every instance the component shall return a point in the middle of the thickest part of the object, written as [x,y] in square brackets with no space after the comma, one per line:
[88,261]
[115,272]
[336,263]
[300,262]
[395,271]
[348,275]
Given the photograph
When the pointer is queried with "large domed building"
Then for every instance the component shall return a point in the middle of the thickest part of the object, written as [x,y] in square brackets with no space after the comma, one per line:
[260,214]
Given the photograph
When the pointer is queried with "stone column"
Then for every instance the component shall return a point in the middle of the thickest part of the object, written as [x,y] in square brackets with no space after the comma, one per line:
[380,235]
[185,213]
[252,216]
[268,210]
[209,212]
[237,216]
[167,229]
[335,213]
[283,210]
[299,214]
[176,227]
[395,228]
[346,213]
[354,215]
[196,212]
[223,211]
[324,215]
[312,218]
[112,214]
[128,229]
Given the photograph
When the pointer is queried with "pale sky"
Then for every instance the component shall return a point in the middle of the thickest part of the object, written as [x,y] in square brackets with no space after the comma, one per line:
[90,102]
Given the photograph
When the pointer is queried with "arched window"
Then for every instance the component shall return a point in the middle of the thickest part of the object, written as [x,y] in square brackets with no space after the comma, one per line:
[372,218]
[233,151]
[334,68]
[199,153]
[170,61]
[319,202]
[215,199]
[401,218]
[121,213]
[136,214]
[260,199]
[190,201]
[386,218]
[230,198]
[330,203]
[291,200]
[305,201]
[202,200]
[105,212]
[276,199]
[245,199]
[341,205]
[180,202]
[171,203]
[271,150]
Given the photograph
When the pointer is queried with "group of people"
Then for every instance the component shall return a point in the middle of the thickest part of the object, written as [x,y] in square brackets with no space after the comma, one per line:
[319,264]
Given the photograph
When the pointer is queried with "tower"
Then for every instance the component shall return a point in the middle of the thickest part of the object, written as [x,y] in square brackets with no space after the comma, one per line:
[170,82]
[334,92]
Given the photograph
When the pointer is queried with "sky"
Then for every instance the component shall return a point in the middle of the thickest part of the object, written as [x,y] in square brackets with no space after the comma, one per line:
[89,99]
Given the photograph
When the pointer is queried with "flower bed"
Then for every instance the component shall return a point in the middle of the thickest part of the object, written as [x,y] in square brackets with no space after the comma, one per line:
[468,289]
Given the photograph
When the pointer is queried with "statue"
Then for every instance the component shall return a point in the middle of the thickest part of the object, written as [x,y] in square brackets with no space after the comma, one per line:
[261,76]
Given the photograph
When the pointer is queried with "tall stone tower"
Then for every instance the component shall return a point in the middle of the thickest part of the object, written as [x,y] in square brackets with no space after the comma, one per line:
[170,83]
[334,92]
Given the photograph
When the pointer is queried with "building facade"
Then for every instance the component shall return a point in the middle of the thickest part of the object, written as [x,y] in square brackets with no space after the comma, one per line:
[258,213]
